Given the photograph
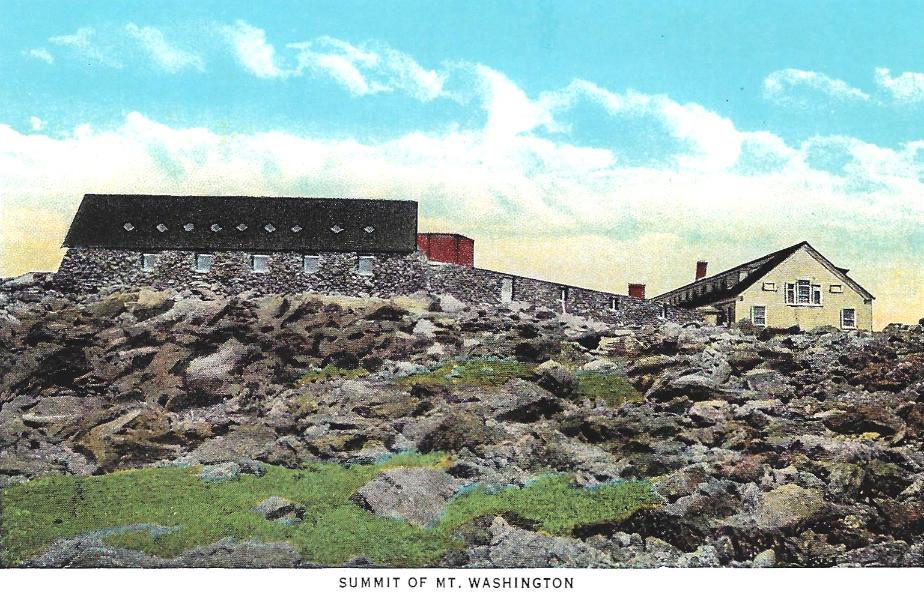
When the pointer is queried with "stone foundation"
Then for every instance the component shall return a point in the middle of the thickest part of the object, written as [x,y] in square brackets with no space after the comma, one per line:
[90,270]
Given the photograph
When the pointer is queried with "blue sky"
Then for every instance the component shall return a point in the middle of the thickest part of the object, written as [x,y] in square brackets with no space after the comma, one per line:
[718,128]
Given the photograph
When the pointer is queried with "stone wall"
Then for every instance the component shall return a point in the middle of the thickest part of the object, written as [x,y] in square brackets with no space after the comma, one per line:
[476,285]
[90,270]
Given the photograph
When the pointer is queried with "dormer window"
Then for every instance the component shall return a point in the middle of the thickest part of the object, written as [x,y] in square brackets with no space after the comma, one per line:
[241,227]
[269,228]
[337,229]
[296,229]
[215,227]
[128,226]
[369,229]
[162,228]
[189,227]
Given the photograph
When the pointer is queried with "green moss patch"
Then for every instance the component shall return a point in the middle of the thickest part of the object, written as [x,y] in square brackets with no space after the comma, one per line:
[611,388]
[332,372]
[482,372]
[164,511]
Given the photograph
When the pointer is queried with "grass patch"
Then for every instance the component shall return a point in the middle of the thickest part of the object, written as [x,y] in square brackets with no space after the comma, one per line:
[334,529]
[612,388]
[332,372]
[483,372]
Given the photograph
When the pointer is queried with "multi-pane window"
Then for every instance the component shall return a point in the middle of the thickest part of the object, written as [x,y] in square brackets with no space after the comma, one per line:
[259,263]
[311,264]
[848,318]
[803,292]
[759,315]
[364,265]
[204,262]
[148,261]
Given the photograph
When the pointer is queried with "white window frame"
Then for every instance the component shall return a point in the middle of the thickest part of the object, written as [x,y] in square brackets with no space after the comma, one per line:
[754,317]
[196,262]
[794,293]
[148,262]
[254,258]
[317,264]
[769,286]
[506,290]
[836,288]
[367,259]
[853,324]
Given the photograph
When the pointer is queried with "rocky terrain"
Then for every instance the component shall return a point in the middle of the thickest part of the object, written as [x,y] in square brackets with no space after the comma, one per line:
[761,448]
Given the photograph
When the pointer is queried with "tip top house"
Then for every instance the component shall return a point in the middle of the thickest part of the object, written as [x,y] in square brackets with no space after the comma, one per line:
[795,286]
[359,247]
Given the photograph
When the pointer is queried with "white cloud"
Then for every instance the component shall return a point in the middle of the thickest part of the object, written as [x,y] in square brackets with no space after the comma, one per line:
[84,43]
[167,56]
[905,88]
[37,123]
[252,50]
[368,69]
[40,54]
[787,86]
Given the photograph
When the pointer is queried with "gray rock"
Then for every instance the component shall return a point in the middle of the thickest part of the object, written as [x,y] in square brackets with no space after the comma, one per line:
[511,547]
[414,494]
[220,472]
[553,377]
[764,559]
[276,507]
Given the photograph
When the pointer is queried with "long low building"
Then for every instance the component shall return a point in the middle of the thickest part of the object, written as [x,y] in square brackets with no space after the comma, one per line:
[354,247]
[794,287]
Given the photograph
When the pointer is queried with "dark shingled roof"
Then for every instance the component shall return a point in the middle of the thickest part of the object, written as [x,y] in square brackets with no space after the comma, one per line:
[302,224]
[757,268]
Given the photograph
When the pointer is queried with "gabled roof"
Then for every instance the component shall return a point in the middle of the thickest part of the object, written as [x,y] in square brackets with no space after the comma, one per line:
[757,269]
[303,224]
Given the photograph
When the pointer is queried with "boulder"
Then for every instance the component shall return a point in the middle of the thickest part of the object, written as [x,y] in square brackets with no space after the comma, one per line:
[417,495]
[276,507]
[788,506]
[553,377]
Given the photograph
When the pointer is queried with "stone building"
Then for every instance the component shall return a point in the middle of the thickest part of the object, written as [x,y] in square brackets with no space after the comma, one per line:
[354,247]
[792,287]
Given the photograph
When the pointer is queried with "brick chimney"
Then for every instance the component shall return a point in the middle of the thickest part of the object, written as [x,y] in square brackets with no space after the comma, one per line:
[701,269]
[636,290]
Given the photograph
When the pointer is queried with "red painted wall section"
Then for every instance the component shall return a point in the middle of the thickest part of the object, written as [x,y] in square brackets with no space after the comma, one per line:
[450,248]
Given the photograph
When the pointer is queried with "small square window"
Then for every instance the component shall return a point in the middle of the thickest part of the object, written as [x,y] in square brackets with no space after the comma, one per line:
[769,286]
[311,264]
[148,261]
[364,265]
[204,262]
[848,318]
[259,263]
[836,288]
[759,315]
